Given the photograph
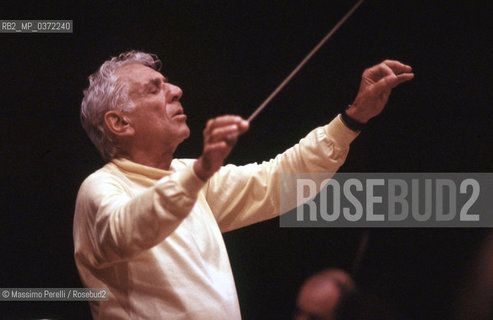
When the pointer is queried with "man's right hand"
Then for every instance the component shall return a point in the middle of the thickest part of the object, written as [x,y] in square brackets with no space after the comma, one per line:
[220,136]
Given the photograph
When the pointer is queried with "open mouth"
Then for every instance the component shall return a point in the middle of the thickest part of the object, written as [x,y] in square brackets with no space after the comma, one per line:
[180,114]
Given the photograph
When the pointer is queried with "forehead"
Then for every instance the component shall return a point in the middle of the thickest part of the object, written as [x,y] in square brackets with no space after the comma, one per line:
[138,74]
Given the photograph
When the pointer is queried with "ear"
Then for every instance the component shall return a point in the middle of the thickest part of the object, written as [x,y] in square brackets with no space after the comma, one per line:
[118,123]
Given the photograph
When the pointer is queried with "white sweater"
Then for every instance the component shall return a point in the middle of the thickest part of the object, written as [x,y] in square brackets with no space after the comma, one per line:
[153,237]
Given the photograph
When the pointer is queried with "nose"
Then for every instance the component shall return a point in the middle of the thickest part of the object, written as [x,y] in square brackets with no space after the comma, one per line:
[174,93]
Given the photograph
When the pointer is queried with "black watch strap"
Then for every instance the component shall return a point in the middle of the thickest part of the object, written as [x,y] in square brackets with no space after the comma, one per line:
[350,122]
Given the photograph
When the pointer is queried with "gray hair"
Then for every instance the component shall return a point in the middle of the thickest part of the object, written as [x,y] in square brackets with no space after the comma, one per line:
[105,93]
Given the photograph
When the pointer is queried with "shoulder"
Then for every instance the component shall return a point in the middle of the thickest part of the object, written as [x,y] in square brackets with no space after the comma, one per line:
[101,182]
[107,173]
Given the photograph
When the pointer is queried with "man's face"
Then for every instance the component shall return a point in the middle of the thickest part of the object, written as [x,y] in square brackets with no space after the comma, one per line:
[158,115]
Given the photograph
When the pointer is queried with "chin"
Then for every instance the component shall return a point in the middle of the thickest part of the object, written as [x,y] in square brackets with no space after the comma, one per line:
[186,133]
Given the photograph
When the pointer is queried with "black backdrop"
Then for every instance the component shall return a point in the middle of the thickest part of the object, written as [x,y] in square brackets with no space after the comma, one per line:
[227,56]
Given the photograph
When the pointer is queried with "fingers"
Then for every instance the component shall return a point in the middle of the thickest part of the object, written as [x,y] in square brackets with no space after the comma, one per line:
[392,81]
[378,72]
[397,67]
[403,77]
[389,74]
[385,69]
[218,134]
[225,128]
[221,147]
[226,120]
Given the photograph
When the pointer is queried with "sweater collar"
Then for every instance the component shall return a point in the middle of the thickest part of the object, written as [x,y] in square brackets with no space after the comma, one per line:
[132,168]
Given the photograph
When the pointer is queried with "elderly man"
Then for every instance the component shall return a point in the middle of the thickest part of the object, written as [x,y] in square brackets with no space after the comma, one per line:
[147,226]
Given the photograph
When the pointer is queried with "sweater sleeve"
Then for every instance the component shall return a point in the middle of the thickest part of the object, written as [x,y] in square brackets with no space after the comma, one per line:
[240,196]
[112,223]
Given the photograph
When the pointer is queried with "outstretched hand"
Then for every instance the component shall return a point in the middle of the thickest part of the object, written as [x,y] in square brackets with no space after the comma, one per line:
[376,84]
[220,136]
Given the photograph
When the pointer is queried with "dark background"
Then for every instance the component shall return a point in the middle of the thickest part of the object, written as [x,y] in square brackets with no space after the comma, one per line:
[228,56]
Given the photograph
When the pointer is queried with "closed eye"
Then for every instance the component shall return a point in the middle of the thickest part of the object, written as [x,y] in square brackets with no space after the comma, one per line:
[154,85]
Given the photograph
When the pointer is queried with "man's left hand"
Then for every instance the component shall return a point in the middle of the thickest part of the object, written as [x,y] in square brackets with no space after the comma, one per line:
[376,84]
